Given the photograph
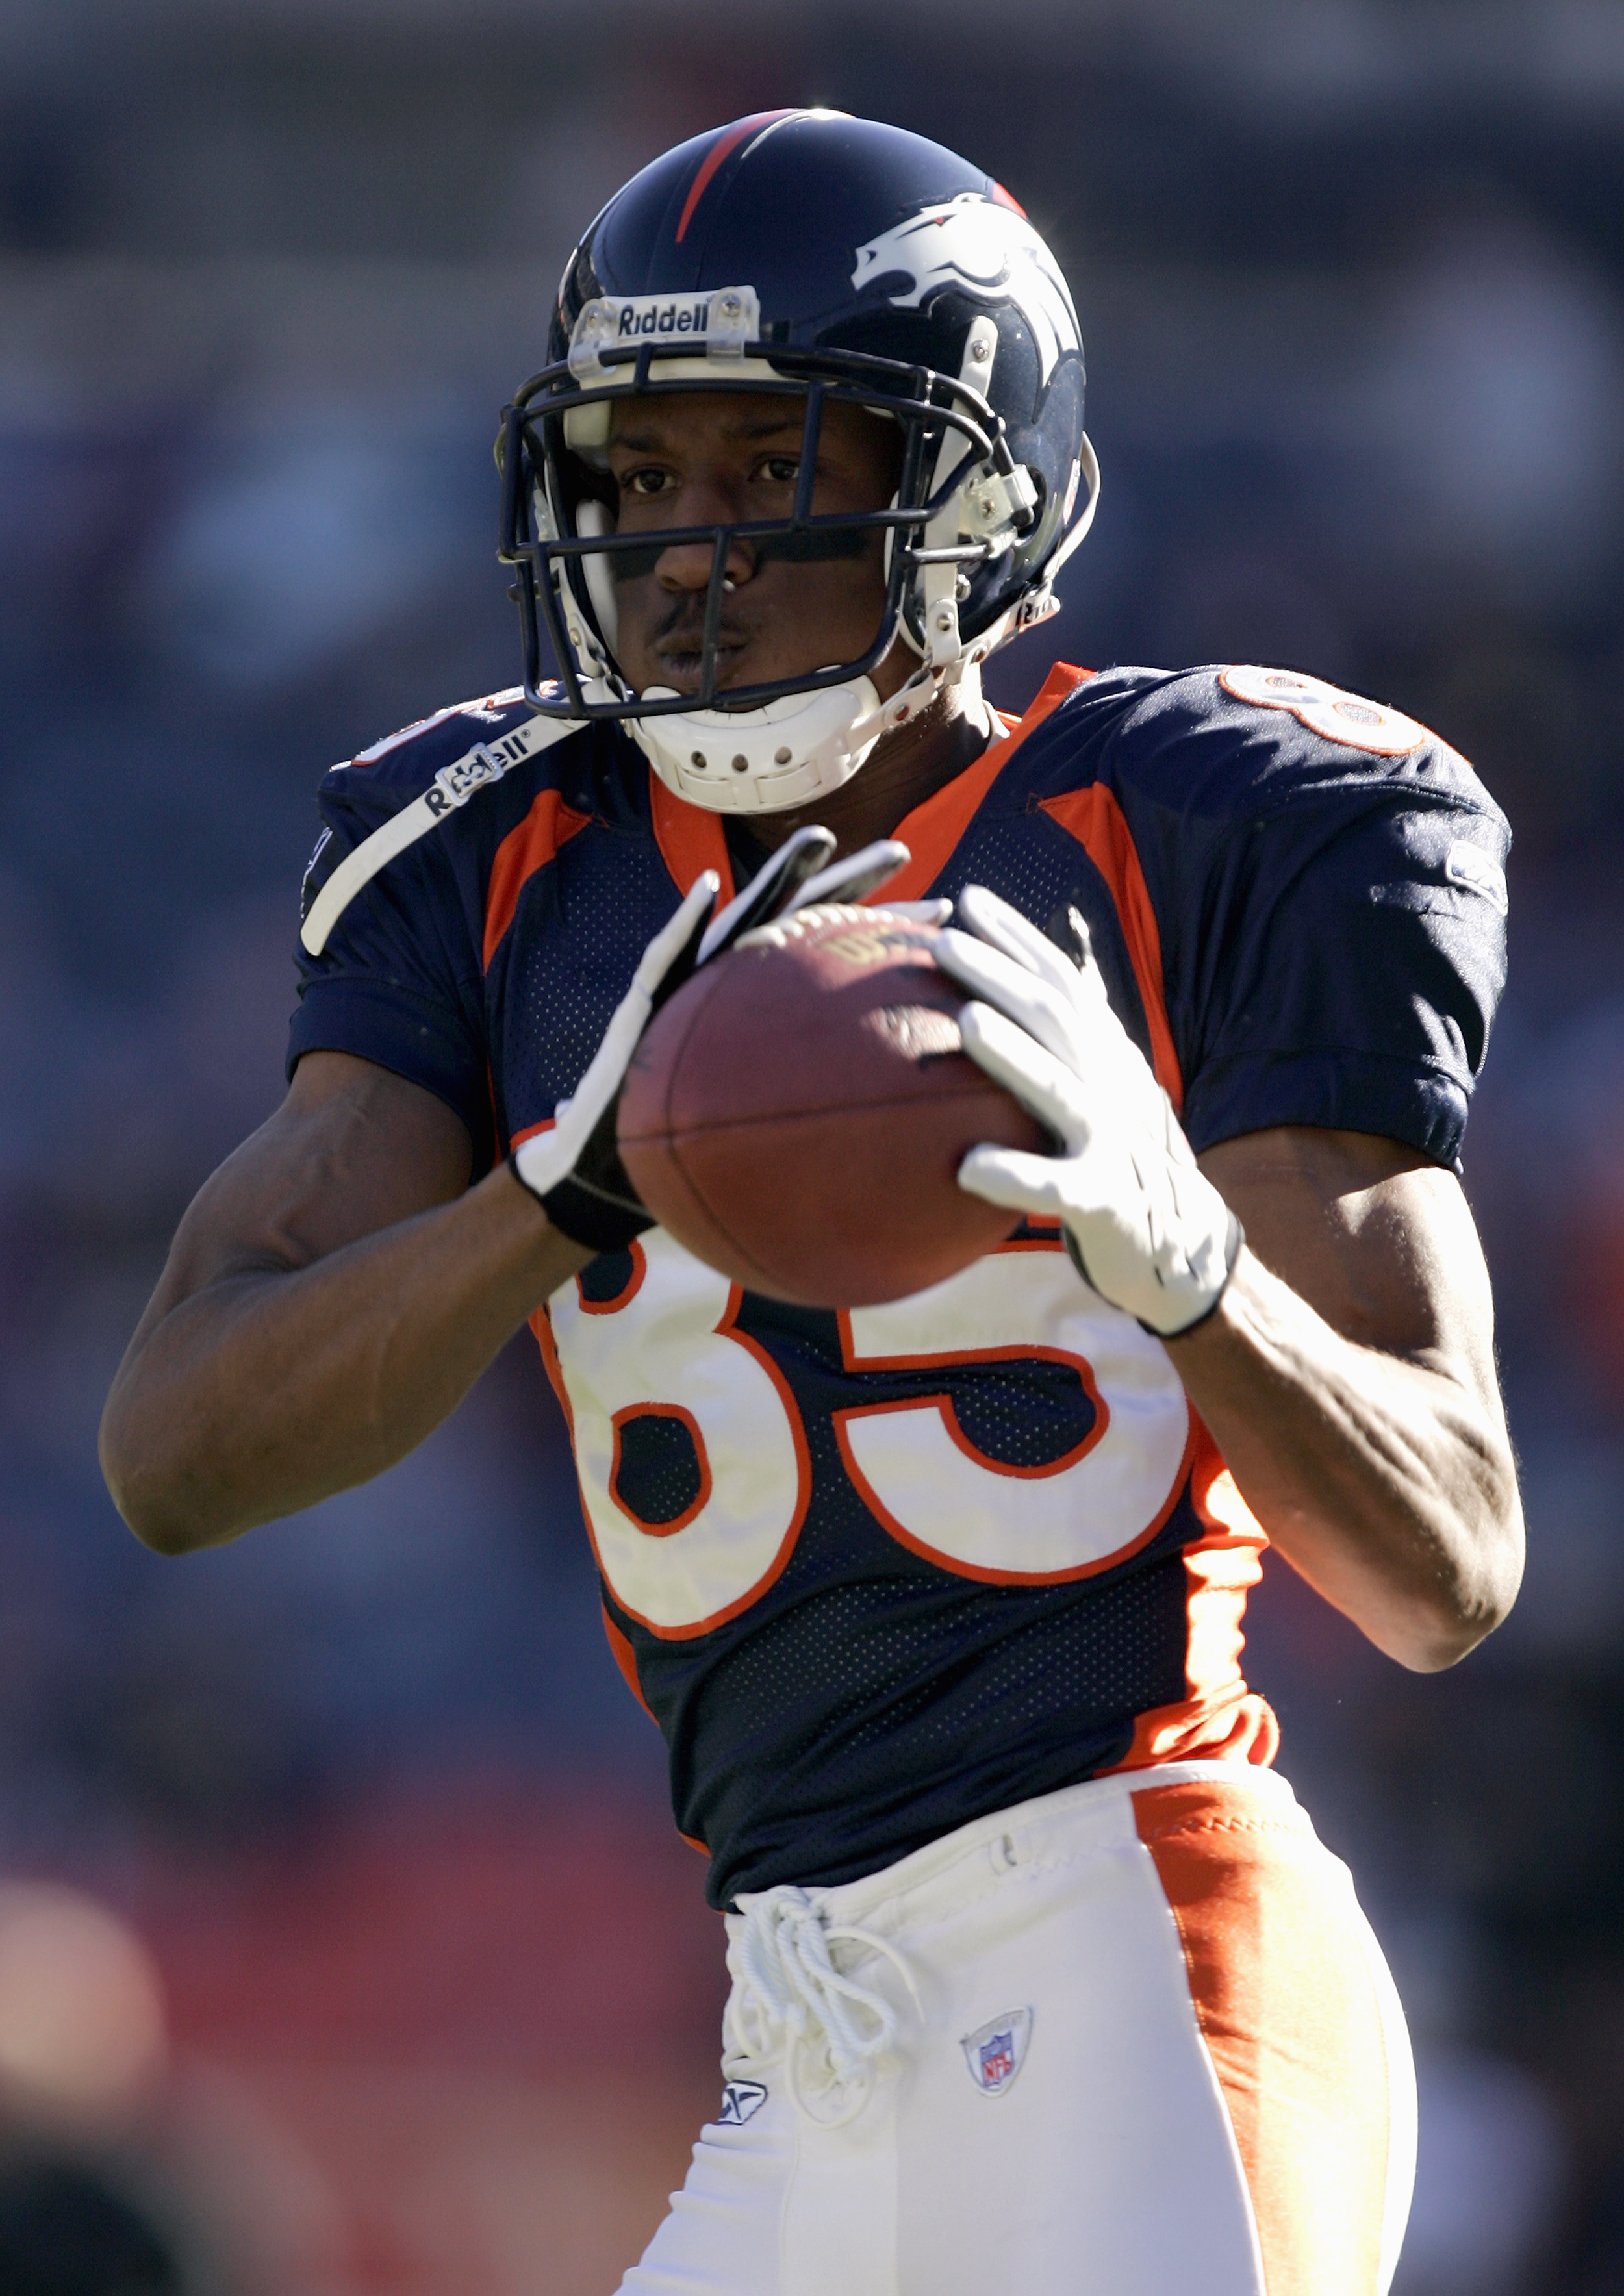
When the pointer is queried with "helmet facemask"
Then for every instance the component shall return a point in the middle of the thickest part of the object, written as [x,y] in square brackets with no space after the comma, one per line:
[962,510]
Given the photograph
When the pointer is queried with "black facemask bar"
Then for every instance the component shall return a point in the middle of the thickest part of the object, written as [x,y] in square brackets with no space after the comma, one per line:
[928,403]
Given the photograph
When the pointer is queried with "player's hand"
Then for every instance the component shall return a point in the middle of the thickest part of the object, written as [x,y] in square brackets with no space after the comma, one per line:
[1145,1226]
[574,1169]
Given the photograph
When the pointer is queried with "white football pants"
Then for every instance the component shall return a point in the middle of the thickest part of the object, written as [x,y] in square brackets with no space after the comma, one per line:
[1133,2038]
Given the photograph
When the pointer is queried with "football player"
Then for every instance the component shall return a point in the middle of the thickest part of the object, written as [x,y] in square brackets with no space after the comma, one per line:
[1040,1975]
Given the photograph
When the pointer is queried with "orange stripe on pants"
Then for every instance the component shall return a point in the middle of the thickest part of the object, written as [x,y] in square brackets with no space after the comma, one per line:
[1274,1943]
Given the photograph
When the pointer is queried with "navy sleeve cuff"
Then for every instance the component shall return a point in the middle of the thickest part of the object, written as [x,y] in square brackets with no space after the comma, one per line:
[403,1034]
[1333,1091]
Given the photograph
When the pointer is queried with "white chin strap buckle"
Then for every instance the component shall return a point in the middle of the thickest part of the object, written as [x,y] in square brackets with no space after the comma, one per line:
[797,747]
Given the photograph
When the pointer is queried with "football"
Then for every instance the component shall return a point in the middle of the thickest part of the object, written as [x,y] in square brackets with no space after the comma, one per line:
[797,1114]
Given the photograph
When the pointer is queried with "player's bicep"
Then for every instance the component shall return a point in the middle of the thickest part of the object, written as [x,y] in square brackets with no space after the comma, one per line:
[1377,1239]
[352,1149]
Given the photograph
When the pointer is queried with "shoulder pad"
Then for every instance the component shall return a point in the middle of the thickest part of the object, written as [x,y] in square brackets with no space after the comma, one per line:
[429,742]
[466,771]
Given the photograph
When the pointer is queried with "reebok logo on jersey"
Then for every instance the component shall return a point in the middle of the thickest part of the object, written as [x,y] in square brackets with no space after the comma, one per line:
[454,785]
[995,2052]
[739,2099]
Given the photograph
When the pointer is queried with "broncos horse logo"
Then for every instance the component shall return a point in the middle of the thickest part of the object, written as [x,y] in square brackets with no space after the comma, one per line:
[991,252]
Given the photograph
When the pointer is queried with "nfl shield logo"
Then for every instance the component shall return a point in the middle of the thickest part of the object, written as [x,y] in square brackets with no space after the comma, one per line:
[995,2052]
[998,2058]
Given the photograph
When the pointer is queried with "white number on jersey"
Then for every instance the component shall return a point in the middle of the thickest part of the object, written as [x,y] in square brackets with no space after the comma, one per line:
[668,1345]
[1326,710]
[976,1515]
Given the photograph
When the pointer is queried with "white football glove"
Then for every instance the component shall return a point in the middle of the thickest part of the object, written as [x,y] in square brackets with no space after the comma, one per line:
[1145,1226]
[574,1169]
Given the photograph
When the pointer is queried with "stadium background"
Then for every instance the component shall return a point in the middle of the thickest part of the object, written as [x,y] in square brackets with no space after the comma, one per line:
[388,1977]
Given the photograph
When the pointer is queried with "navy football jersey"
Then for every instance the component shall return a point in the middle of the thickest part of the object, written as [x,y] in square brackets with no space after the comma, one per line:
[879,1572]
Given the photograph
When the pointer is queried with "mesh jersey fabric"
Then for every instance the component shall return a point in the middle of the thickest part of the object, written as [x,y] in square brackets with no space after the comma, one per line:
[1279,928]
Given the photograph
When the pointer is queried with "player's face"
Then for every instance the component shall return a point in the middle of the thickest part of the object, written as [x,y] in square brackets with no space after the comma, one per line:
[710,458]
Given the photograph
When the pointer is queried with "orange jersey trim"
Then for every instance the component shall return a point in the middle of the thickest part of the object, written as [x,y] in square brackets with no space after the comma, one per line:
[932,830]
[697,1505]
[689,838]
[1094,818]
[1287,2006]
[626,1658]
[549,824]
[626,1293]
[1218,1719]
[541,1324]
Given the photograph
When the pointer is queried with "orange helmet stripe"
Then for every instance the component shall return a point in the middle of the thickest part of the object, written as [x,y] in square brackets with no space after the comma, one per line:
[729,140]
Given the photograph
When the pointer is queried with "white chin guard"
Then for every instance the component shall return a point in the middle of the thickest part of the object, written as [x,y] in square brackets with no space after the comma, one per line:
[795,748]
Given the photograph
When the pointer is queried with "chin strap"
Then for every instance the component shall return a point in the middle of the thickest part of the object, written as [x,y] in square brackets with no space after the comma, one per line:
[798,748]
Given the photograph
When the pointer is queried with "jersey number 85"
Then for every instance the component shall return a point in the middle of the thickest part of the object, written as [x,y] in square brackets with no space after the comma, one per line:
[669,1344]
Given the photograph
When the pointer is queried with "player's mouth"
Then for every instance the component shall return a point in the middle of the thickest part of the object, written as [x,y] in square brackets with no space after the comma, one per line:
[681,654]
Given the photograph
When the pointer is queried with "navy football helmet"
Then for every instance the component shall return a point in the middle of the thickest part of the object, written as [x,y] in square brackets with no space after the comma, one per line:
[827,258]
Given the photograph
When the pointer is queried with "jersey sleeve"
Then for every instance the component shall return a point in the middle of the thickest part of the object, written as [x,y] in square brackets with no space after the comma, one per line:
[398,981]
[1335,927]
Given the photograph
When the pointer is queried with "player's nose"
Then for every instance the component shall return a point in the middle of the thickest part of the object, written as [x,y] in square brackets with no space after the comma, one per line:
[706,500]
[685,566]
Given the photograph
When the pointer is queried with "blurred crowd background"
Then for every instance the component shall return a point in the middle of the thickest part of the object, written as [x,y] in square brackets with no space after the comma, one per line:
[345,1946]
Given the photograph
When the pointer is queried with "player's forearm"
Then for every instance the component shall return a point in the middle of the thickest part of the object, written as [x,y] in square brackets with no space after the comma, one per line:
[267,1390]
[1388,1484]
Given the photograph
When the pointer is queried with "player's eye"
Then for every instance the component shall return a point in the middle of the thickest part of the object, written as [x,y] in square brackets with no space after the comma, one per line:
[781,469]
[650,480]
